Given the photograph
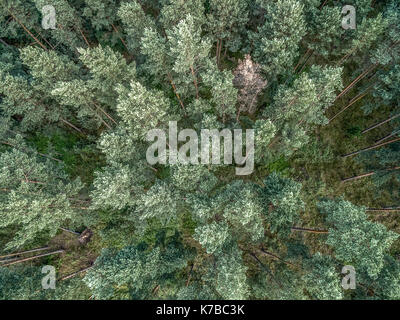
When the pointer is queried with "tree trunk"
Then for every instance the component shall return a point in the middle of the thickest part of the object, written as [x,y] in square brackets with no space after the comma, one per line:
[75,273]
[216,51]
[83,36]
[70,231]
[23,252]
[360,77]
[320,8]
[353,101]
[359,177]
[381,123]
[71,125]
[370,148]
[367,175]
[41,154]
[308,58]
[298,64]
[265,268]
[106,114]
[384,209]
[27,31]
[195,82]
[309,230]
[190,275]
[34,257]
[176,93]
[275,256]
[122,40]
[388,136]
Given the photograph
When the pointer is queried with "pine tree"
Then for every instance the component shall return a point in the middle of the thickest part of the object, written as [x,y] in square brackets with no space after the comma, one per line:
[322,279]
[276,42]
[281,203]
[354,238]
[226,22]
[134,20]
[135,271]
[224,95]
[230,275]
[189,52]
[36,197]
[174,11]
[31,98]
[142,109]
[212,236]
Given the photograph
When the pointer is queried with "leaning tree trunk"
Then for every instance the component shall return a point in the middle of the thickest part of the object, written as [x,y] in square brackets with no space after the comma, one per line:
[309,230]
[23,252]
[34,257]
[381,123]
[367,174]
[370,148]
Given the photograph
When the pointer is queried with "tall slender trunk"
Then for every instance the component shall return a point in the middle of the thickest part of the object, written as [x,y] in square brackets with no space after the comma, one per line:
[23,252]
[217,51]
[75,273]
[106,114]
[122,40]
[359,78]
[176,93]
[190,275]
[387,136]
[381,123]
[265,268]
[353,101]
[100,117]
[309,230]
[274,256]
[195,81]
[83,36]
[70,231]
[367,174]
[71,125]
[369,148]
[323,4]
[393,209]
[298,64]
[305,62]
[40,154]
[5,43]
[27,31]
[34,257]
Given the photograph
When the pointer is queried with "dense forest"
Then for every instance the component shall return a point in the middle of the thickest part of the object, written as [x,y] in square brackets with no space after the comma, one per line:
[82,85]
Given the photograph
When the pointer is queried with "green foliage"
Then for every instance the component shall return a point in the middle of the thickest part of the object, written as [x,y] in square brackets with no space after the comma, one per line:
[77,103]
[276,42]
[35,197]
[322,280]
[354,238]
[281,203]
[134,271]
